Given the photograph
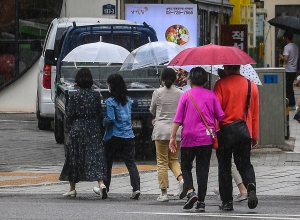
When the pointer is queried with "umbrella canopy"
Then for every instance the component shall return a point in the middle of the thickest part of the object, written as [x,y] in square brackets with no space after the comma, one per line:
[245,70]
[97,52]
[151,54]
[212,54]
[286,23]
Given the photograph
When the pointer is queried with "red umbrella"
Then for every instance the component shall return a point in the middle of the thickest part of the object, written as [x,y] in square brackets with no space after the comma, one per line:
[212,54]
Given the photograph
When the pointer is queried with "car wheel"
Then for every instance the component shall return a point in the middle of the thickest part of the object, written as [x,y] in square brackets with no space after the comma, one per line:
[43,123]
[58,130]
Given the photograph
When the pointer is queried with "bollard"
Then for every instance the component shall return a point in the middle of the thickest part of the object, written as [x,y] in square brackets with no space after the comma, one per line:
[287,112]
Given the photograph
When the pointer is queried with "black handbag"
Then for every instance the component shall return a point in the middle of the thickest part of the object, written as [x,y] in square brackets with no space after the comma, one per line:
[237,130]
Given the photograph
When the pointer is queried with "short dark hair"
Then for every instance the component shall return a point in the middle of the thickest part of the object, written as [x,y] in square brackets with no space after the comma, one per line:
[234,68]
[84,78]
[288,35]
[169,76]
[198,76]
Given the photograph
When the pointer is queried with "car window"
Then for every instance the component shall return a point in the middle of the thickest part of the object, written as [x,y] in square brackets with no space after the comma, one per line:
[47,37]
[60,32]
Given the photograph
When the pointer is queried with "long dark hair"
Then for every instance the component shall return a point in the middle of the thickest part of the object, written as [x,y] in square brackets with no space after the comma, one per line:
[118,88]
[84,78]
[169,76]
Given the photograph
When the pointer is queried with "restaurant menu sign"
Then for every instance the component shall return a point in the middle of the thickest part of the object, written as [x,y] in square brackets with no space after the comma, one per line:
[235,35]
[172,22]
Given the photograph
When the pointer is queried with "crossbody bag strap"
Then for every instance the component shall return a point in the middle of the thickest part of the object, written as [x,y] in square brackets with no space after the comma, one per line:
[201,116]
[248,97]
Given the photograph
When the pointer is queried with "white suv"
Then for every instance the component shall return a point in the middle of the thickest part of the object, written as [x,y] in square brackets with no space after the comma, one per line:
[47,66]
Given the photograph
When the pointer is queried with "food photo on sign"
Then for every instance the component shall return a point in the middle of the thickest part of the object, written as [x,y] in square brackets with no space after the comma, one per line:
[179,21]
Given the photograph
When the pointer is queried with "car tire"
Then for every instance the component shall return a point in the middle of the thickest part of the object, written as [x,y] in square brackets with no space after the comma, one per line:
[43,123]
[58,130]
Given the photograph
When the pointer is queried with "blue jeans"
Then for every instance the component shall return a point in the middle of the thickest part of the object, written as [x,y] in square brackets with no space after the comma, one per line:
[126,148]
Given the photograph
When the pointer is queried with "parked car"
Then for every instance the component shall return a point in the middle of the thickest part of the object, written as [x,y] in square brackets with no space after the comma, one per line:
[47,64]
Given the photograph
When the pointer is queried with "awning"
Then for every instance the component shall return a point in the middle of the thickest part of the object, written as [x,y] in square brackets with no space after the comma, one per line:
[215,6]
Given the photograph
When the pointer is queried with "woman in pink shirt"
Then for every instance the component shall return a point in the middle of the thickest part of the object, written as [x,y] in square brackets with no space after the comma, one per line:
[196,140]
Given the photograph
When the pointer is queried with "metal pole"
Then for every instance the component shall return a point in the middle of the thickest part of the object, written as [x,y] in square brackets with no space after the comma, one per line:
[17,53]
[117,9]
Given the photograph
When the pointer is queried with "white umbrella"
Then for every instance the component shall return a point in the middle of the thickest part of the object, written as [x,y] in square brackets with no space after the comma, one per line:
[246,70]
[97,52]
[151,54]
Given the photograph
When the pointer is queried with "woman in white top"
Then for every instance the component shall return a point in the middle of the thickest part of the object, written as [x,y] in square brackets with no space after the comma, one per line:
[163,108]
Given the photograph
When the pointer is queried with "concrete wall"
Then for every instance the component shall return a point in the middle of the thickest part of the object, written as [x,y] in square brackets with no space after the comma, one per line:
[270,30]
[90,8]
[21,95]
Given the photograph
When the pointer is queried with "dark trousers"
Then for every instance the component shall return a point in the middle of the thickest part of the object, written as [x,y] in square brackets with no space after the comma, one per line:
[126,147]
[240,149]
[203,155]
[290,77]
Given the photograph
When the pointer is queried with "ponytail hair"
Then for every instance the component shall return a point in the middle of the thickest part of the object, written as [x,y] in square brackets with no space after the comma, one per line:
[169,76]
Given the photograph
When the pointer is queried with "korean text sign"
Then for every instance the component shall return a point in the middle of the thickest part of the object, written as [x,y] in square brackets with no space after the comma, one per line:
[235,35]
[172,22]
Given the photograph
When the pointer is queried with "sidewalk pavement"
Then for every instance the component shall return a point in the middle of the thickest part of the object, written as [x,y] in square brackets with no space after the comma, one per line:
[277,173]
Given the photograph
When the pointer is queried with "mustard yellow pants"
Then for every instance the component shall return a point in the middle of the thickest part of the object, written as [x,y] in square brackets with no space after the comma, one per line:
[166,159]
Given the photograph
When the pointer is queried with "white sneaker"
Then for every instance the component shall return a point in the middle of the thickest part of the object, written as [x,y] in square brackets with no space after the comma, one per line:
[163,198]
[96,190]
[72,193]
[135,194]
[240,197]
[182,193]
[103,191]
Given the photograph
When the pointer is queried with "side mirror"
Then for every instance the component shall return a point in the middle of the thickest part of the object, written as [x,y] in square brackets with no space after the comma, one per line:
[50,58]
[36,46]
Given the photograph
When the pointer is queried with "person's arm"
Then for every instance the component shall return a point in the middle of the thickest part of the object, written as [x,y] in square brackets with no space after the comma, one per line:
[153,106]
[283,57]
[255,116]
[173,142]
[110,114]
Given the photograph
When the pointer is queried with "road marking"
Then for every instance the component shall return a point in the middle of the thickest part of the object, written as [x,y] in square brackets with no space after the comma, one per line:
[31,178]
[226,215]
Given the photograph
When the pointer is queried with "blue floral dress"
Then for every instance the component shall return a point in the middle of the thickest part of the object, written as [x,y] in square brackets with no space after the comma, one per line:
[85,157]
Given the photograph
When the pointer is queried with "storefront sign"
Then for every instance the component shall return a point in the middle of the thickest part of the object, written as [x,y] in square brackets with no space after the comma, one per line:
[235,35]
[172,22]
[109,9]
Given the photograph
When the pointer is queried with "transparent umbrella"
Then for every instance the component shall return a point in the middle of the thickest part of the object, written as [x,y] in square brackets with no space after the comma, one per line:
[151,54]
[97,52]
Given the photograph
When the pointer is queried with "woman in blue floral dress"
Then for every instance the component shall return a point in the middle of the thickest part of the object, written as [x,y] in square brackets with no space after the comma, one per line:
[85,157]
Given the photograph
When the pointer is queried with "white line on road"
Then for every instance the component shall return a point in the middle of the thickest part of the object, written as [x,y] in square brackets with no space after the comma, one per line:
[223,215]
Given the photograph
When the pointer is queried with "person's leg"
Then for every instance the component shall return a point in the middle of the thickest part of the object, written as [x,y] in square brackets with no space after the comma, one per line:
[187,158]
[242,160]
[239,182]
[110,150]
[290,77]
[173,162]
[128,154]
[162,148]
[72,186]
[224,154]
[203,155]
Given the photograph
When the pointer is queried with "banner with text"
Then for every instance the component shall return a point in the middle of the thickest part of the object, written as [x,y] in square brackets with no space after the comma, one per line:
[172,22]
